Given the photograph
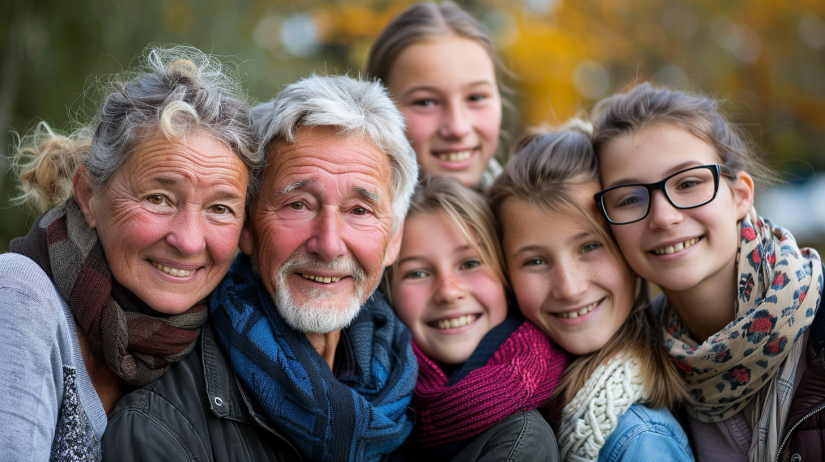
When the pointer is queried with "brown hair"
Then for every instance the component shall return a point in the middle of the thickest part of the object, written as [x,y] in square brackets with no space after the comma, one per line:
[467,210]
[544,168]
[646,105]
[424,21]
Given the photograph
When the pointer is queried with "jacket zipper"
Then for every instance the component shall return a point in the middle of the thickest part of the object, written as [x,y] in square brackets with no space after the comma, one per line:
[790,432]
[264,424]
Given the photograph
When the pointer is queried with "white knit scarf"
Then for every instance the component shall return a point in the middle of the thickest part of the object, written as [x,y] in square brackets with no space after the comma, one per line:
[591,416]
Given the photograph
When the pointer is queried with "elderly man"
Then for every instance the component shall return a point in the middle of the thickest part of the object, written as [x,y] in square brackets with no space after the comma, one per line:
[318,367]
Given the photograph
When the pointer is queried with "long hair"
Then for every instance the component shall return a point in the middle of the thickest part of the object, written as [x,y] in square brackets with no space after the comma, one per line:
[545,167]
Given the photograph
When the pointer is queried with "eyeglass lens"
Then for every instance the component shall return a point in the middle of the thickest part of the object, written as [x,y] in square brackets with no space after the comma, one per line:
[690,188]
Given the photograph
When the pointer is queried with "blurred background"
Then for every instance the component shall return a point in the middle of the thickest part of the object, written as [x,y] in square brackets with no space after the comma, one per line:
[765,59]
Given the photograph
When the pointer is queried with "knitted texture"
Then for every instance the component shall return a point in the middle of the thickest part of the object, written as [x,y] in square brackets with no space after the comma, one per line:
[360,418]
[520,376]
[137,343]
[754,358]
[594,412]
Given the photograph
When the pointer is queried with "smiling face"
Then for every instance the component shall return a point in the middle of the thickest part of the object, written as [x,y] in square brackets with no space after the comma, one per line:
[170,218]
[655,247]
[320,227]
[446,88]
[566,282]
[443,291]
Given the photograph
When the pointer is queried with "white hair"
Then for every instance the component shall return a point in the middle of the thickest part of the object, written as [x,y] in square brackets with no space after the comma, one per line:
[315,315]
[353,105]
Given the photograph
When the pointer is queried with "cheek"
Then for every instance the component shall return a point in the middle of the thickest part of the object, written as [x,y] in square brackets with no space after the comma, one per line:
[628,238]
[488,125]
[489,291]
[528,294]
[133,231]
[369,246]
[222,243]
[411,301]
[420,129]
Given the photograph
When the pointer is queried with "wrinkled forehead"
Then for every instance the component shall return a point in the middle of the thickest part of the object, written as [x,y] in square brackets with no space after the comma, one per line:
[329,153]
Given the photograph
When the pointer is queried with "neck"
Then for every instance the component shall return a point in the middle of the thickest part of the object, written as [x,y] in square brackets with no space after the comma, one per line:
[709,306]
[325,344]
[107,384]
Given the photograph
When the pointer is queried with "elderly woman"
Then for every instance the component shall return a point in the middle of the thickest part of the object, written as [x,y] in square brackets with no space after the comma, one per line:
[145,208]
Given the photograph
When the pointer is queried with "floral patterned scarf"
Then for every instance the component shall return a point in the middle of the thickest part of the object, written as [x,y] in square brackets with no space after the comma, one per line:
[754,358]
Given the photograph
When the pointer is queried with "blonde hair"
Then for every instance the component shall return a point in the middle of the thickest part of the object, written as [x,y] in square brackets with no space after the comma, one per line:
[172,91]
[467,210]
[544,168]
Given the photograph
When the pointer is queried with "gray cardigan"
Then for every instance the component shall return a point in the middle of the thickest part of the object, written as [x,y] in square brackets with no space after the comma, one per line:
[51,410]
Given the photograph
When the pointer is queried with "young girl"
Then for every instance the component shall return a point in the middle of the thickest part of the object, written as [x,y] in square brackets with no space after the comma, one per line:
[440,67]
[739,294]
[479,367]
[571,282]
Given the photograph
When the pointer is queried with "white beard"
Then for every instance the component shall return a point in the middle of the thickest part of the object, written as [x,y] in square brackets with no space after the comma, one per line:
[314,316]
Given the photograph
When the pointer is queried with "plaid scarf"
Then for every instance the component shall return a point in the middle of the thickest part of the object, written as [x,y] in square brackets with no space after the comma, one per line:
[137,343]
[521,375]
[753,358]
[358,417]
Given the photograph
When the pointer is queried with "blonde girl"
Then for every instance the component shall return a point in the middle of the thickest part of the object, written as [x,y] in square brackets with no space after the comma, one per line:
[571,282]
[440,67]
[482,371]
[740,296]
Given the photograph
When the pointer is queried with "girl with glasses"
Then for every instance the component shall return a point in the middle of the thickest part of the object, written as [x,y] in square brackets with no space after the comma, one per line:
[740,298]
[571,281]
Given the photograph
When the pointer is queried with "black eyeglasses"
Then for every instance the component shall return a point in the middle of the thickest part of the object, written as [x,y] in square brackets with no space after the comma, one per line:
[687,189]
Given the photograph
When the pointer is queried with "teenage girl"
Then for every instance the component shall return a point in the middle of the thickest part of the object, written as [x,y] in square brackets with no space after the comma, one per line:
[571,282]
[739,295]
[440,68]
[480,368]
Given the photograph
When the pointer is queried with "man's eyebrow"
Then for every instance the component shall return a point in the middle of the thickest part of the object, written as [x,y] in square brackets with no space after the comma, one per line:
[294,186]
[371,196]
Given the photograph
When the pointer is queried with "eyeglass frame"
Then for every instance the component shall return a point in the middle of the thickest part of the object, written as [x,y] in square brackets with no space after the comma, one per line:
[716,169]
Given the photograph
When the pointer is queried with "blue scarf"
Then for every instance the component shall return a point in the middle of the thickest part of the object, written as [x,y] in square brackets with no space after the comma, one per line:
[358,418]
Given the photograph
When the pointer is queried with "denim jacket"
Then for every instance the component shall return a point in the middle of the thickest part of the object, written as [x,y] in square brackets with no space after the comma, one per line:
[646,434]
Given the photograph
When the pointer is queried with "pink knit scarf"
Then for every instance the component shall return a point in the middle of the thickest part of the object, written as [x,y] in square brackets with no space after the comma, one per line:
[520,376]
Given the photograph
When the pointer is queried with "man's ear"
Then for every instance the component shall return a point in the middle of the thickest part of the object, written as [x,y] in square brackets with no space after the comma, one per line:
[247,241]
[84,195]
[742,194]
[395,245]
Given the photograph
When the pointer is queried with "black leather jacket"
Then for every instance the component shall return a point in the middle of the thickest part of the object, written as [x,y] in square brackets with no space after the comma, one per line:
[196,412]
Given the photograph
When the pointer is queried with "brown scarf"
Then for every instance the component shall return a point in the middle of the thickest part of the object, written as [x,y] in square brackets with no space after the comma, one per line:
[136,342]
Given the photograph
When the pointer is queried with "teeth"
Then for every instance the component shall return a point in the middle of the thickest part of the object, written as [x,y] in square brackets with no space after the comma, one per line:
[455,322]
[676,248]
[455,156]
[581,312]
[321,279]
[181,273]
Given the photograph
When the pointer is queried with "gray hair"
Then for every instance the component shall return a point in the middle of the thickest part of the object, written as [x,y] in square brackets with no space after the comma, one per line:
[175,91]
[353,105]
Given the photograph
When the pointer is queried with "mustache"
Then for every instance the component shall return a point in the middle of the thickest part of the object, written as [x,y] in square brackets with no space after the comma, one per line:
[307,263]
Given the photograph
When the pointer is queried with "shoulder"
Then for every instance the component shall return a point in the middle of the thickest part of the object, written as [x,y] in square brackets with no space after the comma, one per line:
[642,433]
[522,437]
[24,283]
[163,420]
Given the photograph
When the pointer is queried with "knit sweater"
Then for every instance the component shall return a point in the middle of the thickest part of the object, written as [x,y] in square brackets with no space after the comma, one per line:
[51,410]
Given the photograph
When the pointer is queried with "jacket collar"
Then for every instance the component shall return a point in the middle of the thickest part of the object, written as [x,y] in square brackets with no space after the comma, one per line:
[226,398]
